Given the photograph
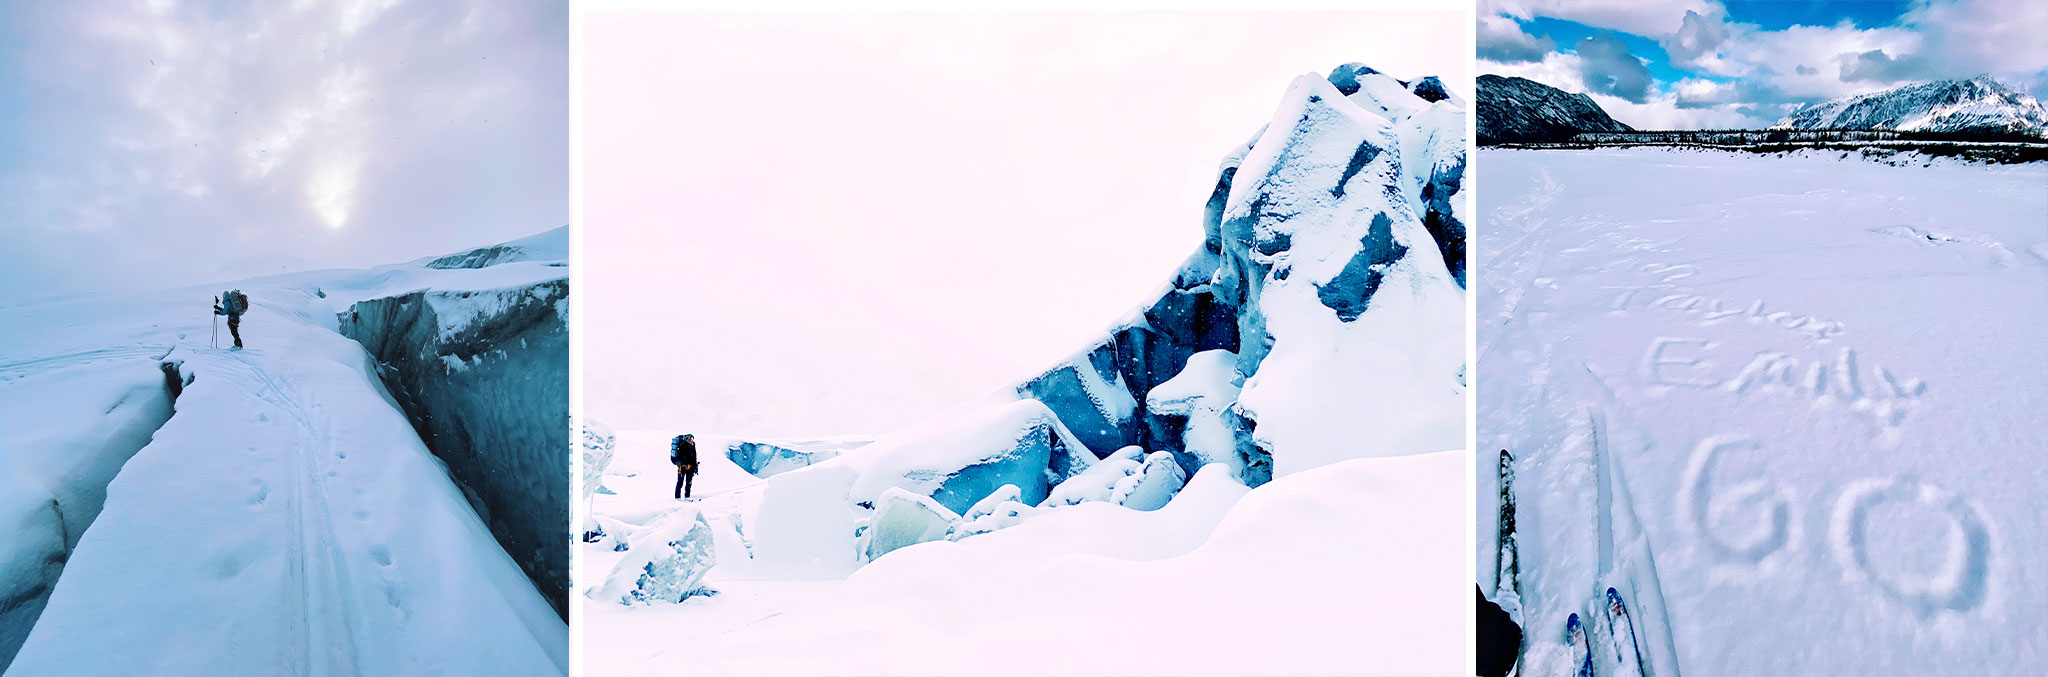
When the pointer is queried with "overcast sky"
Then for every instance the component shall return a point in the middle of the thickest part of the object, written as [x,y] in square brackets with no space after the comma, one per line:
[829,223]
[1687,64]
[153,144]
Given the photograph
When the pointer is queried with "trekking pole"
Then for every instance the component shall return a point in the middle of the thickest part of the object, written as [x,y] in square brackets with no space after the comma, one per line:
[216,324]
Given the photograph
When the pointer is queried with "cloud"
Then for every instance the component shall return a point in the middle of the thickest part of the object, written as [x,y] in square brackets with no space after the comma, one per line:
[1734,71]
[1877,66]
[1962,38]
[161,145]
[1697,36]
[1502,39]
[1607,67]
[1658,110]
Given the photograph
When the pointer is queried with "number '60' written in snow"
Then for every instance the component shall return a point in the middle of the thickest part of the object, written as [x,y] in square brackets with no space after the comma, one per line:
[1957,583]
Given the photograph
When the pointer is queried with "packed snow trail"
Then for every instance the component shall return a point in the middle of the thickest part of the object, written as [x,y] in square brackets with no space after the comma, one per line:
[286,519]
[1784,403]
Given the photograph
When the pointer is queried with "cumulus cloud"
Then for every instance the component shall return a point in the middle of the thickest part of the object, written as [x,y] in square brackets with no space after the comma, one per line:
[1697,36]
[1961,38]
[1503,40]
[1607,67]
[164,145]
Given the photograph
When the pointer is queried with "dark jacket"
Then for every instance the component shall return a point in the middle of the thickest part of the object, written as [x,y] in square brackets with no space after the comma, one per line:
[683,453]
[1500,640]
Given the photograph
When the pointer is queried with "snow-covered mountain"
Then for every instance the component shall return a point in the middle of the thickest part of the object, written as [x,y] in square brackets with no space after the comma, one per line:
[1260,418]
[1979,105]
[1520,110]
[172,506]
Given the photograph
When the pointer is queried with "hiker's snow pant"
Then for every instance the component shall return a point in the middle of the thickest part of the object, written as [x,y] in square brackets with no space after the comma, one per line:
[683,483]
[235,329]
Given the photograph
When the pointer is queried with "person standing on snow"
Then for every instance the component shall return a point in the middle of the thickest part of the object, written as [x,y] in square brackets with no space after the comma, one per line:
[683,453]
[232,304]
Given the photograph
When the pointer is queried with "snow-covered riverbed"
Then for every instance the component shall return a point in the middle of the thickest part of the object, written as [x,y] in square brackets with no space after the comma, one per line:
[1816,384]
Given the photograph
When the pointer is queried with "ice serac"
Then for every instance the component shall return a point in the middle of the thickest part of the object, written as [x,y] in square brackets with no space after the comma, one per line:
[1346,203]
[1520,110]
[1332,240]
[664,563]
[483,376]
[1321,320]
[904,519]
[1980,106]
[598,443]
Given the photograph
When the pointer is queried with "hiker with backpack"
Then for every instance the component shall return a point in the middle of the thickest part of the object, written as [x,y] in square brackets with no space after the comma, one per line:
[232,304]
[683,453]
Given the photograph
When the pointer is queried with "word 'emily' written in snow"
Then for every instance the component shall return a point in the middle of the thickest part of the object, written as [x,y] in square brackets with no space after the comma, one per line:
[1685,362]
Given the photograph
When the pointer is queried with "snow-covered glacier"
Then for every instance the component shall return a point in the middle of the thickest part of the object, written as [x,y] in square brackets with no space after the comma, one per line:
[1309,354]
[190,509]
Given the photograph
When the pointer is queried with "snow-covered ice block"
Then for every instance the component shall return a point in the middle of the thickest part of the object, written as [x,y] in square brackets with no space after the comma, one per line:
[665,563]
[599,441]
[804,527]
[1099,480]
[1352,338]
[903,519]
[1200,397]
[987,505]
[1002,515]
[1154,483]
[961,460]
[999,510]
[764,459]
[1129,477]
[1089,395]
[608,533]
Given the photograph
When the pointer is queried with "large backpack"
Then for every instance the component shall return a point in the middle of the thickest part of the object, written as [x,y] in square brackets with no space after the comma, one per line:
[234,302]
[682,451]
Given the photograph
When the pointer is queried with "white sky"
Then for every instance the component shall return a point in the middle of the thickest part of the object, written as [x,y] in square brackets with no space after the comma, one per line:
[835,223]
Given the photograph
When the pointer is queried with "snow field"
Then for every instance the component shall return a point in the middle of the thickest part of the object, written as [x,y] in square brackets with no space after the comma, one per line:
[1789,404]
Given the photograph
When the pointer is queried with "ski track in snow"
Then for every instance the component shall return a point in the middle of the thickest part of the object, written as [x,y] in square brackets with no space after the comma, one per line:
[316,564]
[1826,397]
